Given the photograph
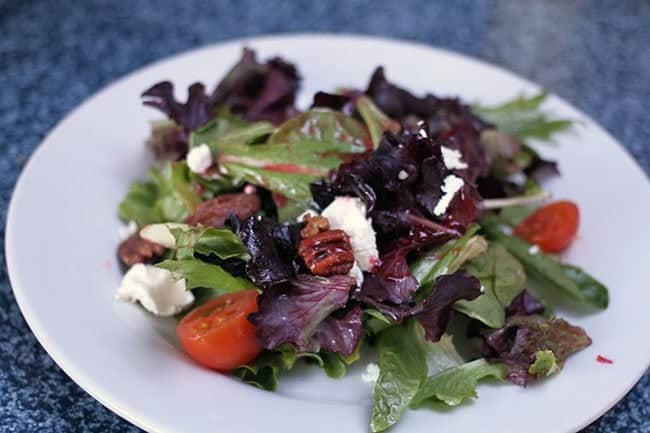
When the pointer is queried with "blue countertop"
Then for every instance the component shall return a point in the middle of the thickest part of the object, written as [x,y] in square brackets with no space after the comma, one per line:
[54,54]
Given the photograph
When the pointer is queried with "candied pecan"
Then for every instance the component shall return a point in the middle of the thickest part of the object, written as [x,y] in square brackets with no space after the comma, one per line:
[314,225]
[136,250]
[214,212]
[327,253]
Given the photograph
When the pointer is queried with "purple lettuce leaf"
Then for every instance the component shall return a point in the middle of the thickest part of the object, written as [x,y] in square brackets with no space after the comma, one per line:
[393,281]
[525,304]
[517,343]
[194,113]
[259,91]
[272,247]
[434,311]
[299,312]
[340,332]
[448,119]
[407,171]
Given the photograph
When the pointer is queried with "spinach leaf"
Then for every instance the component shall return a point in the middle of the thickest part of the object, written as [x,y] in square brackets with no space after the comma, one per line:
[571,280]
[523,117]
[455,384]
[167,196]
[502,277]
[403,367]
[206,275]
[375,119]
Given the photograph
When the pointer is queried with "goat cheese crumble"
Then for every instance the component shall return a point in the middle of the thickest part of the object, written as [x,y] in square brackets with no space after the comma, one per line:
[158,290]
[199,158]
[371,374]
[453,159]
[452,184]
[349,214]
[161,234]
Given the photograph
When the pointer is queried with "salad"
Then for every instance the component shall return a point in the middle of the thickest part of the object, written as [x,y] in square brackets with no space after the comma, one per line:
[415,226]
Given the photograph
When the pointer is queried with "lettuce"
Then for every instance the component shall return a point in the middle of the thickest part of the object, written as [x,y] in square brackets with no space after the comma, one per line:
[167,196]
[299,313]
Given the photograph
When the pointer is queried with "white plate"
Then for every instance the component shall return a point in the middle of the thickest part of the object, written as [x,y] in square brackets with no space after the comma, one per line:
[62,234]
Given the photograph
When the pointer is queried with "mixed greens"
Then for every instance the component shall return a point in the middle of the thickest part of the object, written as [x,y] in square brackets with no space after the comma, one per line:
[374,218]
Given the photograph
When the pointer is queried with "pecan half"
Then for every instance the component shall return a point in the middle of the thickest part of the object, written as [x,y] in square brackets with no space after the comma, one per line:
[214,212]
[327,253]
[314,225]
[136,250]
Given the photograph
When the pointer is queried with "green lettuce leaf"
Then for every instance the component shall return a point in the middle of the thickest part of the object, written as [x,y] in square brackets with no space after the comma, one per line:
[402,367]
[502,277]
[292,185]
[455,384]
[448,258]
[523,117]
[545,364]
[266,369]
[206,275]
[168,196]
[375,119]
[569,279]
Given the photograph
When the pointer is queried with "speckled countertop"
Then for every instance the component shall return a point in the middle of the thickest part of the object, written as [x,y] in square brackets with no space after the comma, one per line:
[54,54]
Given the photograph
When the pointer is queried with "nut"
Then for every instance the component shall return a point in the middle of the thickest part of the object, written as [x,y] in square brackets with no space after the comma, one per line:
[314,225]
[327,253]
[216,211]
[136,250]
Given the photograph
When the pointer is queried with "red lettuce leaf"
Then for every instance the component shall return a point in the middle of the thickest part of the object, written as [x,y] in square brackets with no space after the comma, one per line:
[517,343]
[434,311]
[272,247]
[407,171]
[299,312]
[448,119]
[259,91]
[194,113]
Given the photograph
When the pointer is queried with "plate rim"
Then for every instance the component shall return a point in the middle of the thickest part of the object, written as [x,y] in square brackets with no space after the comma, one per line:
[68,366]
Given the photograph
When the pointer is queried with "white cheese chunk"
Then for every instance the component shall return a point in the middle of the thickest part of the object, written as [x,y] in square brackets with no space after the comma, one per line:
[371,374]
[452,184]
[161,233]
[199,158]
[349,214]
[127,230]
[158,290]
[453,158]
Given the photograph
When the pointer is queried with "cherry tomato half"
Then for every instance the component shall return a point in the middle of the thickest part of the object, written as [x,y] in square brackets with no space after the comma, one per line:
[218,334]
[552,227]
